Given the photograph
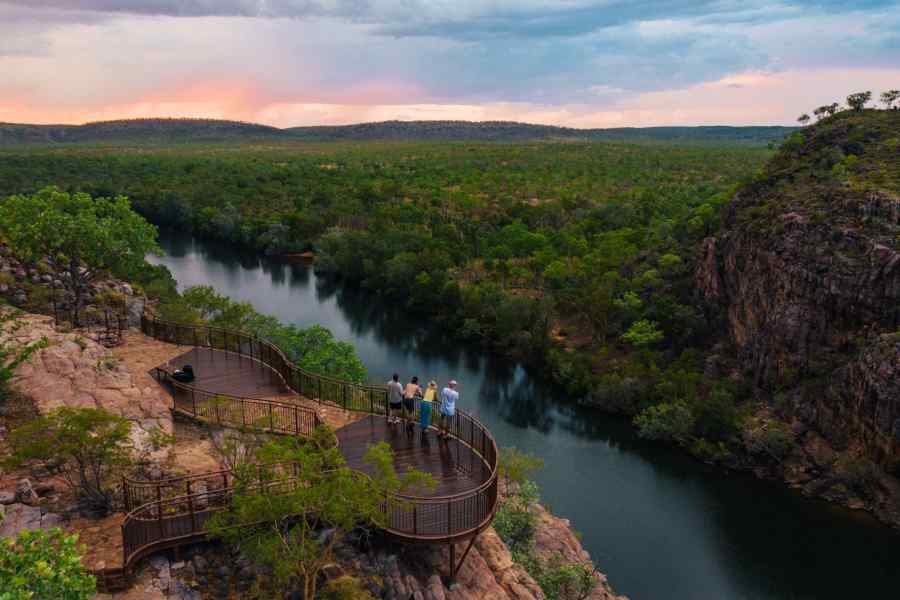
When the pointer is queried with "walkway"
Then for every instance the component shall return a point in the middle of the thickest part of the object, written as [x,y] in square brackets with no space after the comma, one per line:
[452,465]
[237,377]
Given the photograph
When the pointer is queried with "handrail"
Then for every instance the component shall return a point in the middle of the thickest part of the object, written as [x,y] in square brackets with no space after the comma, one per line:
[450,517]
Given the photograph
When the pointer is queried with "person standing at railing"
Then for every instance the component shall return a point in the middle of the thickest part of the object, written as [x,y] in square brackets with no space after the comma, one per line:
[449,398]
[411,395]
[425,407]
[395,399]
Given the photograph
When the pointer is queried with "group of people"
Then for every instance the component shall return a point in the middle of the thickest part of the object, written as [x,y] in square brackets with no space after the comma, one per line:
[403,399]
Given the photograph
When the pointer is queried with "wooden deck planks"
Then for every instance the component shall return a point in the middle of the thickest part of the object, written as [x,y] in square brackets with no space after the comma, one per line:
[454,467]
[228,373]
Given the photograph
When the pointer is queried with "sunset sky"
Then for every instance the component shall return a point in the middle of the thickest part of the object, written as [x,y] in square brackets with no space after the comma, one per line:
[580,63]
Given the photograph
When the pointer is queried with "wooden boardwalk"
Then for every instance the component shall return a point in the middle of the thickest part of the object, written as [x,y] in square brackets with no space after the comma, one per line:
[241,381]
[230,373]
[452,464]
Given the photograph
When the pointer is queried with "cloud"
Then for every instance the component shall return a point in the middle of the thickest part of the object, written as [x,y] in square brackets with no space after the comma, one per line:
[566,61]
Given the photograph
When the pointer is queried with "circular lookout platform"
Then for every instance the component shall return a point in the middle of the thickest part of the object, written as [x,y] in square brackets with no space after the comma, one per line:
[243,381]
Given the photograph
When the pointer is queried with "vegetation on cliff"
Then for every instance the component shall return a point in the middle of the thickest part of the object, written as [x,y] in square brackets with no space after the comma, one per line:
[804,279]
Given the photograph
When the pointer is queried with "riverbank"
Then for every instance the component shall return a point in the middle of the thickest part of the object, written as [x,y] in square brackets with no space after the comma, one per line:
[655,518]
[64,368]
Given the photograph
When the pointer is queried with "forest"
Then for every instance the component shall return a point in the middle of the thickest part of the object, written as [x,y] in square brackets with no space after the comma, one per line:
[574,257]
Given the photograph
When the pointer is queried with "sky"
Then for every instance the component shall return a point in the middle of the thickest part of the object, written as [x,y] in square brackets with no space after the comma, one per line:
[577,63]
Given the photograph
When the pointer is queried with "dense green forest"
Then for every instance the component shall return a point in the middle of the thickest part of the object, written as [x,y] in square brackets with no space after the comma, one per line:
[575,257]
[192,131]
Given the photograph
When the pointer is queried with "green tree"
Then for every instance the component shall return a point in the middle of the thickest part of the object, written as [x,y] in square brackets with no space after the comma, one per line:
[79,236]
[302,513]
[859,100]
[803,119]
[43,565]
[642,334]
[93,445]
[562,580]
[889,97]
[516,467]
[671,422]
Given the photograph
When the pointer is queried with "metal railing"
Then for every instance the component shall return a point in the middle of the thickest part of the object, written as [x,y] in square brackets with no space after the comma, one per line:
[163,521]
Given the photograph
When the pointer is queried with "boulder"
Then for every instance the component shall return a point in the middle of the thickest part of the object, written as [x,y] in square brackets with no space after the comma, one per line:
[25,492]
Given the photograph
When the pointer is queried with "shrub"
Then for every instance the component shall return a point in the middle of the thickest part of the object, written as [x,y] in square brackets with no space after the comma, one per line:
[858,472]
[717,416]
[516,466]
[94,447]
[514,521]
[43,564]
[708,451]
[668,422]
[345,587]
[772,438]
[515,524]
[561,580]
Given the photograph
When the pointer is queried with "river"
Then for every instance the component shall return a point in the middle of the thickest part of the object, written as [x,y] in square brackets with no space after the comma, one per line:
[660,524]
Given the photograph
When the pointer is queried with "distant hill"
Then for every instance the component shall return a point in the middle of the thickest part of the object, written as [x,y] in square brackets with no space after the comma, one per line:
[140,131]
[176,131]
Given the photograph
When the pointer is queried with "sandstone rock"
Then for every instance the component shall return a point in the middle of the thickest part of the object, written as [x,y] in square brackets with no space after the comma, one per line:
[7,497]
[19,517]
[25,492]
[200,564]
[70,372]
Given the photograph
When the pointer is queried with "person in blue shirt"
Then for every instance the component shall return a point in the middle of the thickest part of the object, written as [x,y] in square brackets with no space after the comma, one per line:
[449,398]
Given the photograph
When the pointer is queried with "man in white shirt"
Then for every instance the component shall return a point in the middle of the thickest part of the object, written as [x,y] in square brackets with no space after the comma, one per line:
[449,398]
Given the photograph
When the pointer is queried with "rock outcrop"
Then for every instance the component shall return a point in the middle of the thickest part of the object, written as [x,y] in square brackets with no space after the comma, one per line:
[76,371]
[806,270]
[489,571]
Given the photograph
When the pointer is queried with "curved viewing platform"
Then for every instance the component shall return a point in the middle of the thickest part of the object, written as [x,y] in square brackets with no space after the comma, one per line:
[243,381]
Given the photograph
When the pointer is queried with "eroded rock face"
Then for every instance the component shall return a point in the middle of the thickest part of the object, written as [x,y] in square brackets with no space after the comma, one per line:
[807,306]
[489,570]
[77,372]
[806,270]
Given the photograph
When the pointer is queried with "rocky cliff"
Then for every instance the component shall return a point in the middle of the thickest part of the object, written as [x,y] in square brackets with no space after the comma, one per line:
[806,274]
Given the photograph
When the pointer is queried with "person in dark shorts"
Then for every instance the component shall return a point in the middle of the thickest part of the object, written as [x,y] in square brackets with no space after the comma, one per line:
[395,399]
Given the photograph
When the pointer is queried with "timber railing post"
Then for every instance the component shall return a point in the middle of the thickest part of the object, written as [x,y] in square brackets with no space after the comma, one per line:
[159,509]
[191,507]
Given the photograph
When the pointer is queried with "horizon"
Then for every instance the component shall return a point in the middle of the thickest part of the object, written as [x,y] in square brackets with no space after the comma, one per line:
[583,64]
[354,124]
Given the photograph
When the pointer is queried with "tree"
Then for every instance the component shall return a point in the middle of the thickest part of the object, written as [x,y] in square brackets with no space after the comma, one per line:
[642,333]
[12,352]
[43,564]
[516,466]
[93,445]
[81,237]
[803,119]
[303,512]
[859,100]
[821,112]
[667,421]
[889,97]
[832,109]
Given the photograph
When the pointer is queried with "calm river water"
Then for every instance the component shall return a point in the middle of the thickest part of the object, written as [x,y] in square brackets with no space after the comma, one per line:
[660,524]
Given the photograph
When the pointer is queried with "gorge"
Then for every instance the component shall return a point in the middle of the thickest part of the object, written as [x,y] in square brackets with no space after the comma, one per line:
[658,522]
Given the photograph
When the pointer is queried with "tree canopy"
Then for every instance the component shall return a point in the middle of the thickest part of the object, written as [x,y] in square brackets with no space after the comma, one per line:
[79,236]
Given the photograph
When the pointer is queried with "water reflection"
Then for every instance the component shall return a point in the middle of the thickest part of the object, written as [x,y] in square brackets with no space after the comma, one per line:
[659,523]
